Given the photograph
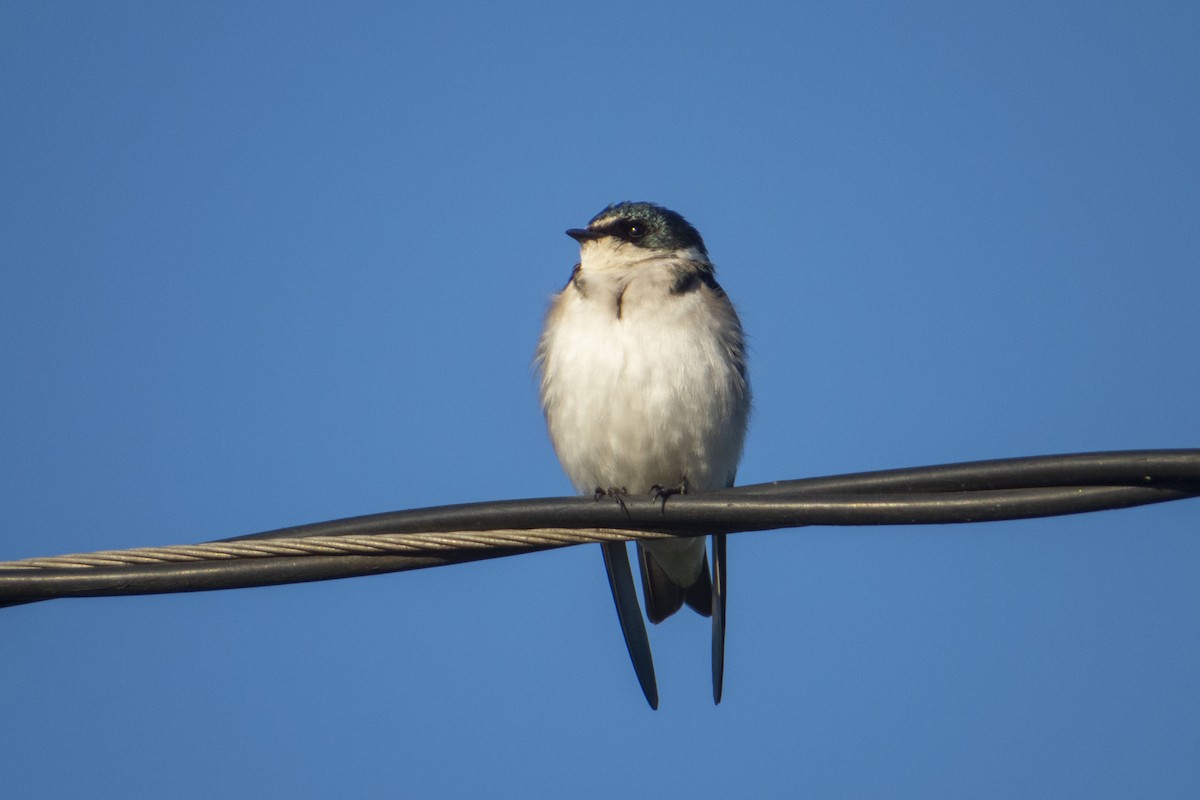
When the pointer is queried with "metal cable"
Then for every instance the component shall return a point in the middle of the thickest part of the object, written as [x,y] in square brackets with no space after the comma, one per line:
[410,544]
[971,492]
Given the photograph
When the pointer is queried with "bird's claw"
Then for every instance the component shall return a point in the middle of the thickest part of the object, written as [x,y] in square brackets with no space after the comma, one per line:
[659,492]
[615,493]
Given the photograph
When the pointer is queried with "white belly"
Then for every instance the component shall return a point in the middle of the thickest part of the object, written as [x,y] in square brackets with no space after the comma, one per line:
[642,387]
[642,400]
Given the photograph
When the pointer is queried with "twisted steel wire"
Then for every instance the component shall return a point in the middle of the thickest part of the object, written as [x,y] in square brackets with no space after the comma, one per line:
[970,492]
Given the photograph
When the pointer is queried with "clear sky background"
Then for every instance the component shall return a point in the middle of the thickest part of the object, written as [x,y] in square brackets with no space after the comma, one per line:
[266,264]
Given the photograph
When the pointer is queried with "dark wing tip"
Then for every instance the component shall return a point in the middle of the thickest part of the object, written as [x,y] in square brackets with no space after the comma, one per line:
[718,616]
[629,613]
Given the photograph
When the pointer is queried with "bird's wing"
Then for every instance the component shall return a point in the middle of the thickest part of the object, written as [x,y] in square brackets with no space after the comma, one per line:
[620,580]
[718,616]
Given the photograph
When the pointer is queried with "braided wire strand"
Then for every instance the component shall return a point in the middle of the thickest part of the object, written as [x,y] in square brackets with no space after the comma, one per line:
[980,491]
[407,544]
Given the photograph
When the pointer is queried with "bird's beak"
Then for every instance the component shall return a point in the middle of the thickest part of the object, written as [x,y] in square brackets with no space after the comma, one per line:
[582,235]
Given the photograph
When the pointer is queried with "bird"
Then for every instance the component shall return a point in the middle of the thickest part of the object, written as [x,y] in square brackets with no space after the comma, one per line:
[644,386]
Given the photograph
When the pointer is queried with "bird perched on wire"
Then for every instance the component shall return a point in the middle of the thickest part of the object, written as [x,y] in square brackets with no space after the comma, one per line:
[644,387]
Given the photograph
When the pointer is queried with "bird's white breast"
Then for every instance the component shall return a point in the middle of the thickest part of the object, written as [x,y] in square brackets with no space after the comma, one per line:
[647,396]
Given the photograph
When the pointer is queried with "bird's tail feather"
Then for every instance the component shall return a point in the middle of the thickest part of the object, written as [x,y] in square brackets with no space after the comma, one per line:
[664,596]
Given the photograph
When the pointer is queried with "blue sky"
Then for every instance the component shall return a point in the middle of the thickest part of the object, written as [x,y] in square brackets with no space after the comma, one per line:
[267,264]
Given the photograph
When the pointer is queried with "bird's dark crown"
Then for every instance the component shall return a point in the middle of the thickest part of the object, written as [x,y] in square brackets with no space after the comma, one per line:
[646,225]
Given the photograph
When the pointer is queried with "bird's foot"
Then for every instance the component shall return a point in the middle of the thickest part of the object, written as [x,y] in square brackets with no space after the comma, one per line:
[615,493]
[659,492]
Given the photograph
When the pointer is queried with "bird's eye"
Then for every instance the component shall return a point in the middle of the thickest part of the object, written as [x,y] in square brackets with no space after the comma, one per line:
[635,231]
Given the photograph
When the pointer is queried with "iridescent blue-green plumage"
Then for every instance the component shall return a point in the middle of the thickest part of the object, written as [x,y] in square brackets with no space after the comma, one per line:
[660,228]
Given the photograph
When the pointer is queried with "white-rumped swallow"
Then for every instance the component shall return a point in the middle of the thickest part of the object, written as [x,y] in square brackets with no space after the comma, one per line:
[644,387]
